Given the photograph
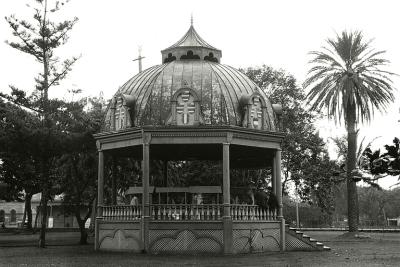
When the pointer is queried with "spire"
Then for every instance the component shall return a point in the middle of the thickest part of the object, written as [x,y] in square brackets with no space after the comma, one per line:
[191,19]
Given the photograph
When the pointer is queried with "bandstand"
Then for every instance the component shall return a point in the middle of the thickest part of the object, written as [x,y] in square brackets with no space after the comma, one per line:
[193,107]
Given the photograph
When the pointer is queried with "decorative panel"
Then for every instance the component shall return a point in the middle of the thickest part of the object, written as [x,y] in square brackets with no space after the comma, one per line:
[295,243]
[255,240]
[120,239]
[186,241]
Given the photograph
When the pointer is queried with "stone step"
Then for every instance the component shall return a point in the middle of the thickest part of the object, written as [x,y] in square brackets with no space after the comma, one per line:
[326,248]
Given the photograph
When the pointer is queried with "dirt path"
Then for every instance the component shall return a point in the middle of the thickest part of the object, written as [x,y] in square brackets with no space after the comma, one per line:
[378,250]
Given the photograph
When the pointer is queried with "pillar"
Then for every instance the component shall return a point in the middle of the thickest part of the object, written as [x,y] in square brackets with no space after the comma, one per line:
[145,195]
[279,197]
[100,194]
[278,181]
[226,180]
[114,182]
[273,175]
[227,220]
[146,178]
[100,184]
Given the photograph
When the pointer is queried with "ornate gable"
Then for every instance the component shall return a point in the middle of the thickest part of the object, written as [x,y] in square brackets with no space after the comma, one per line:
[185,108]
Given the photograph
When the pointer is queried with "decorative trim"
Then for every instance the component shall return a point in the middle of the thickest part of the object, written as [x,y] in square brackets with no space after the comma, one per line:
[126,236]
[176,234]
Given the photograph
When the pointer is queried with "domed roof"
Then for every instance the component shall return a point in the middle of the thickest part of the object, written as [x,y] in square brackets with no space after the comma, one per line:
[190,89]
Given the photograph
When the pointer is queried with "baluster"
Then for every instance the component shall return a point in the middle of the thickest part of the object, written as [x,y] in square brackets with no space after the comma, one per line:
[104,213]
[181,212]
[202,215]
[175,213]
[236,212]
[153,212]
[139,212]
[269,215]
[135,212]
[218,212]
[168,212]
[191,213]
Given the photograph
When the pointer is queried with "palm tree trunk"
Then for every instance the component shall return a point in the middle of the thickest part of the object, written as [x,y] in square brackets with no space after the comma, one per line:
[352,196]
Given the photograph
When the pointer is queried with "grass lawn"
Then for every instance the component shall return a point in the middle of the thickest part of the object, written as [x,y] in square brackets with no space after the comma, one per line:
[376,250]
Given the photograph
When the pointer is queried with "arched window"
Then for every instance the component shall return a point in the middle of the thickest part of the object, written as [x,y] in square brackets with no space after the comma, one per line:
[2,216]
[253,111]
[119,115]
[13,216]
[190,55]
[170,58]
[211,58]
[256,113]
[185,108]
[122,112]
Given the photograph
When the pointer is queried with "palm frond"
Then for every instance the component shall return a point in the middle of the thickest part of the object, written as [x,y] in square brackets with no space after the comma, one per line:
[347,71]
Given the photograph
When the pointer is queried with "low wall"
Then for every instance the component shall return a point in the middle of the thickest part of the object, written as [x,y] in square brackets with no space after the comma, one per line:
[188,237]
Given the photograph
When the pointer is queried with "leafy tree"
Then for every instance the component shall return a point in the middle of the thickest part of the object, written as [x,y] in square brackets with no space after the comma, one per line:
[77,166]
[40,39]
[305,160]
[388,162]
[347,80]
[18,168]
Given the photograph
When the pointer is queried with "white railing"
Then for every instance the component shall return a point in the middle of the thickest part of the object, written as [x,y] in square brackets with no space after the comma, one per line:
[251,213]
[211,212]
[187,212]
[121,212]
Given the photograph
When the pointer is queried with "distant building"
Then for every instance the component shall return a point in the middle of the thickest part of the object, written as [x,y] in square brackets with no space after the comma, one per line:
[12,213]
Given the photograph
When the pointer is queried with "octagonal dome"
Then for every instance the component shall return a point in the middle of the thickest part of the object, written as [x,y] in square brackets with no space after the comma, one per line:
[190,88]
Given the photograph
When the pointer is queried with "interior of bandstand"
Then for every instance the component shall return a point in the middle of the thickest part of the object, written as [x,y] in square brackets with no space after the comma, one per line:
[188,198]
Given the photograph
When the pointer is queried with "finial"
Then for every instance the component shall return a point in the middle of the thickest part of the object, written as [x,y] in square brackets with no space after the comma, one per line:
[191,19]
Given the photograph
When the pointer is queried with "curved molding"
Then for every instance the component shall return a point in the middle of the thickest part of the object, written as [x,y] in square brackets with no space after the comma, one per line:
[112,237]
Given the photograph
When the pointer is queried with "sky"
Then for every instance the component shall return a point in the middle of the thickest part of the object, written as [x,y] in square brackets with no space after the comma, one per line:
[249,33]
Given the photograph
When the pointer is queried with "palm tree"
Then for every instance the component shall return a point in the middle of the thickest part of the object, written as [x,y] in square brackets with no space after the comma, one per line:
[347,80]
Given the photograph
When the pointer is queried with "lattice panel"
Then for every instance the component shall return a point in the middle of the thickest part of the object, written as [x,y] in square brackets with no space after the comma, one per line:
[294,243]
[256,240]
[186,241]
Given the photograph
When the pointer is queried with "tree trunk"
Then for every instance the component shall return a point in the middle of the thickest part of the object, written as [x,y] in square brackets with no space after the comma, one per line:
[42,236]
[81,223]
[28,211]
[38,209]
[352,196]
